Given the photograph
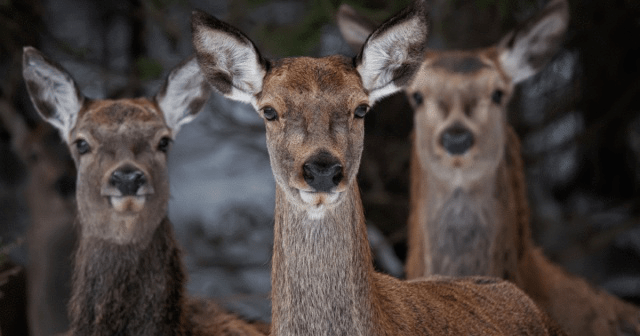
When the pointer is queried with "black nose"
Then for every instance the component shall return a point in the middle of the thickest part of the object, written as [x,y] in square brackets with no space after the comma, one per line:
[322,172]
[457,139]
[66,186]
[128,180]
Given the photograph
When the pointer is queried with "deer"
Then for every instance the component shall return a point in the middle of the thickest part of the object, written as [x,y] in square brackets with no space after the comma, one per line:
[51,235]
[128,277]
[323,280]
[469,213]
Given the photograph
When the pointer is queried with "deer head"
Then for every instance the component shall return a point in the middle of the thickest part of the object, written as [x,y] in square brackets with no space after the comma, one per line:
[460,97]
[313,108]
[119,146]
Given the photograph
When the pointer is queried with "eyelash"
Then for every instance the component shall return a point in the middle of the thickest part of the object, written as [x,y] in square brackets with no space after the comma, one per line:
[270,113]
[164,144]
[82,146]
[361,111]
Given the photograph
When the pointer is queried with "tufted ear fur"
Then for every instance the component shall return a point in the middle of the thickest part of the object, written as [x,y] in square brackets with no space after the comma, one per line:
[527,49]
[394,51]
[229,60]
[184,93]
[53,92]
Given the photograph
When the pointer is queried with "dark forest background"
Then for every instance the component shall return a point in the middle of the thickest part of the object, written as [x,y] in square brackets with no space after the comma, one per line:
[579,122]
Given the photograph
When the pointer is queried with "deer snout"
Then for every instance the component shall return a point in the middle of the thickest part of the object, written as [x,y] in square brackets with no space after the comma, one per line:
[127,180]
[457,139]
[323,172]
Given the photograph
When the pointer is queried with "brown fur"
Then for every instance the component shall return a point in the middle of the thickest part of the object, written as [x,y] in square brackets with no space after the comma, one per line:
[469,213]
[457,182]
[128,277]
[494,191]
[323,279]
[51,237]
[145,275]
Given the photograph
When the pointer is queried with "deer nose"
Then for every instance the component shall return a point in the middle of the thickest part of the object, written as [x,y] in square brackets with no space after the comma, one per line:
[322,172]
[457,139]
[128,180]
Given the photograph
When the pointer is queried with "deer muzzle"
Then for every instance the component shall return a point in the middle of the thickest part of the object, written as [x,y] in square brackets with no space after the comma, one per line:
[127,188]
[457,139]
[323,172]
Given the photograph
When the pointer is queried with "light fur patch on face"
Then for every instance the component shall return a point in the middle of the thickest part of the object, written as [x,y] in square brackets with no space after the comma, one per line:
[127,203]
[317,203]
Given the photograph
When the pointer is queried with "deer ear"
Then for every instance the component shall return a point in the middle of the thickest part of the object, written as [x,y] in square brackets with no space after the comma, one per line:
[354,28]
[229,60]
[53,92]
[527,49]
[393,52]
[184,93]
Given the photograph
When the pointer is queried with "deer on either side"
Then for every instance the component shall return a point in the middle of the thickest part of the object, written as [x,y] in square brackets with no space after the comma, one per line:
[323,281]
[469,212]
[128,278]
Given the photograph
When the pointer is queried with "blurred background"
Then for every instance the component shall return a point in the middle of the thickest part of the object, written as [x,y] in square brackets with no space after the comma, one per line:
[579,121]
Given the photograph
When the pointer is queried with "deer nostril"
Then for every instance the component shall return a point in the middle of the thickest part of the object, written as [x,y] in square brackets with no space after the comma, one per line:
[337,177]
[322,172]
[307,174]
[127,180]
[457,139]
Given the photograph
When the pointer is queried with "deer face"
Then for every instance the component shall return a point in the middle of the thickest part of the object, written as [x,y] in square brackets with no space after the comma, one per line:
[460,97]
[313,108]
[459,101]
[119,146]
[313,111]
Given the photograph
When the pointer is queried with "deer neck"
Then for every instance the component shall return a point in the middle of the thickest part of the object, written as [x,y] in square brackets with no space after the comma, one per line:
[128,289]
[466,230]
[322,270]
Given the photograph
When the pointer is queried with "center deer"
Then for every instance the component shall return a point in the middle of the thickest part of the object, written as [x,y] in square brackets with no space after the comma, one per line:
[469,212]
[128,277]
[323,281]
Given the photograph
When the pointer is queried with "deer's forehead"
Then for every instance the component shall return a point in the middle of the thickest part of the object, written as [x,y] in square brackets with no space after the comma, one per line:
[135,119]
[304,80]
[458,75]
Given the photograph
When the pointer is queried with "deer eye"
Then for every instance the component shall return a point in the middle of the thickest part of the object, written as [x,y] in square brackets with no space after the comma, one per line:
[361,111]
[270,113]
[164,143]
[496,96]
[82,146]
[417,98]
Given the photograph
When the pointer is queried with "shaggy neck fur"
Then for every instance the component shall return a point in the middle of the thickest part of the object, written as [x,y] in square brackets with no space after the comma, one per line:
[467,231]
[460,228]
[128,289]
[322,270]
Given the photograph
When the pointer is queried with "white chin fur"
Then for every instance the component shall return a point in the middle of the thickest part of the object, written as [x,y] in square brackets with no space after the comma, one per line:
[127,203]
[317,202]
